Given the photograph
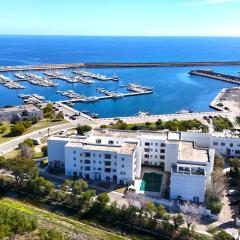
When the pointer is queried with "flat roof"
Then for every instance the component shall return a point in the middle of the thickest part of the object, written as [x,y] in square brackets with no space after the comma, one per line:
[174,136]
[114,133]
[125,148]
[28,107]
[187,152]
[153,135]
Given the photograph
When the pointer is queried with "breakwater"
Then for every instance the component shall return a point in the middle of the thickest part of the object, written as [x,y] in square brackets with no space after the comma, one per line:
[217,76]
[115,65]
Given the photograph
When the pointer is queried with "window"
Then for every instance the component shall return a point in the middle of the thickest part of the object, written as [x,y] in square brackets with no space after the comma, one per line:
[110,142]
[156,144]
[237,151]
[94,161]
[80,161]
[151,144]
[146,149]
[114,170]
[87,168]
[74,152]
[122,159]
[156,150]
[223,144]
[163,144]
[231,144]
[80,154]
[74,159]
[156,156]
[215,143]
[238,145]
[162,157]
[107,170]
[99,155]
[184,169]
[100,162]
[94,169]
[107,156]
[147,144]
[87,154]
[87,161]
[94,154]
[146,155]
[122,166]
[74,165]
[98,140]
[162,151]
[115,164]
[115,156]
[99,169]
[107,163]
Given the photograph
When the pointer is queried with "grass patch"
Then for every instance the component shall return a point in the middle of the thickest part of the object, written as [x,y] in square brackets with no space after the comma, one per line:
[6,135]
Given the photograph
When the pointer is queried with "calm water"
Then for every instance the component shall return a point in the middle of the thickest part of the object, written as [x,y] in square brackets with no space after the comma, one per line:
[174,89]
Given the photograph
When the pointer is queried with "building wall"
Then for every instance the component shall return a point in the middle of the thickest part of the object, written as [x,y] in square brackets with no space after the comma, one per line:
[56,151]
[121,167]
[187,186]
[226,146]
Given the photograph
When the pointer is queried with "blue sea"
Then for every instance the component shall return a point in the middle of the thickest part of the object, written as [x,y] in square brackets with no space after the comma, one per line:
[174,89]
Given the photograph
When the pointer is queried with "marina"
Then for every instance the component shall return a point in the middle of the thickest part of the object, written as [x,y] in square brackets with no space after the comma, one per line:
[138,88]
[96,76]
[7,82]
[217,76]
[32,98]
[35,79]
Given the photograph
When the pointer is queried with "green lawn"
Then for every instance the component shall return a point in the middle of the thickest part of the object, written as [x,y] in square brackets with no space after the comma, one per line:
[5,137]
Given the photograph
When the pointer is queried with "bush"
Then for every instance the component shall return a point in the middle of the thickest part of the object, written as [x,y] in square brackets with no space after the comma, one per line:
[81,129]
[18,129]
[215,206]
[220,124]
[44,150]
[13,222]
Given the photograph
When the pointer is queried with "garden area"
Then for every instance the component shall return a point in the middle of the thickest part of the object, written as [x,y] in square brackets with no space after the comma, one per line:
[174,125]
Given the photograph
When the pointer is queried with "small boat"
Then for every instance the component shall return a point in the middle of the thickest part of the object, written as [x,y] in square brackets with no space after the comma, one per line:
[142,114]
[184,111]
[94,115]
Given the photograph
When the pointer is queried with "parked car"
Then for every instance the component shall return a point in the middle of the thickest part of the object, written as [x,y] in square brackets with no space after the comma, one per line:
[233,192]
[234,202]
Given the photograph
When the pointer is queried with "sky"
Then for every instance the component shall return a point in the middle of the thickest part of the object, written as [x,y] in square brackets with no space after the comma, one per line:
[121,17]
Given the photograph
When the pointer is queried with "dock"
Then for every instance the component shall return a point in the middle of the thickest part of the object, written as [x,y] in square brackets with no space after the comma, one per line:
[104,97]
[7,82]
[217,76]
[96,76]
[46,67]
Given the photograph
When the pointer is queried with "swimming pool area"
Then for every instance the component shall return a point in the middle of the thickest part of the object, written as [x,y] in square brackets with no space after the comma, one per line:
[151,182]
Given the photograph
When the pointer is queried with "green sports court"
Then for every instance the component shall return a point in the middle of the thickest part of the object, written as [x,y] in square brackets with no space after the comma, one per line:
[151,182]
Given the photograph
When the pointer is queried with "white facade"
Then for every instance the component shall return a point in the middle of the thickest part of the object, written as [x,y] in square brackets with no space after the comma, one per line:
[114,155]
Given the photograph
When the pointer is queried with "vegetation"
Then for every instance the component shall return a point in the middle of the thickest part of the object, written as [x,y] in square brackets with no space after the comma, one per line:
[238,120]
[44,150]
[174,125]
[81,129]
[219,124]
[50,113]
[14,222]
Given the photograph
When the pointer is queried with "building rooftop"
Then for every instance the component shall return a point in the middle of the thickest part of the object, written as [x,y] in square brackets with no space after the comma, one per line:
[187,152]
[174,136]
[26,107]
[125,148]
[114,133]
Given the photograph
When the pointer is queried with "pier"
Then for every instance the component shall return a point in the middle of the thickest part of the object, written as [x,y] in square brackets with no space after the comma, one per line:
[74,100]
[46,67]
[7,82]
[217,76]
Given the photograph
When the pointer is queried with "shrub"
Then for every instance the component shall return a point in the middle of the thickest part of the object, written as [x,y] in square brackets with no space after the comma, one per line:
[18,129]
[215,206]
[44,150]
[81,129]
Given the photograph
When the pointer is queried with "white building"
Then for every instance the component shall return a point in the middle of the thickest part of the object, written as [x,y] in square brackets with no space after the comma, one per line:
[115,155]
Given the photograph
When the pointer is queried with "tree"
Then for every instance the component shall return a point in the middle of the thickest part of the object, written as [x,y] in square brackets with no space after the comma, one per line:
[60,116]
[67,183]
[178,220]
[79,186]
[21,168]
[216,186]
[41,186]
[81,129]
[218,162]
[28,142]
[190,214]
[150,207]
[44,150]
[103,199]
[26,151]
[18,129]
[161,212]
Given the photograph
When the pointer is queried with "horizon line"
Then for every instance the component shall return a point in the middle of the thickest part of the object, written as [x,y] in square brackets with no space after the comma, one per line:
[70,35]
